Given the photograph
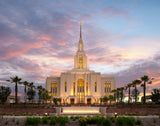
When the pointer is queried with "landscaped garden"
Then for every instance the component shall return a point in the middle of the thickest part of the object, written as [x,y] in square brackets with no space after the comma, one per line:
[81,121]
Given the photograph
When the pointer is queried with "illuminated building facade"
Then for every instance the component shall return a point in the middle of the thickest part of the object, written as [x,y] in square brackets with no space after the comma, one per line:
[80,85]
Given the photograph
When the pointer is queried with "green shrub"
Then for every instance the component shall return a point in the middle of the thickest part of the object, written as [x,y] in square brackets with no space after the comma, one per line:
[113,119]
[100,120]
[32,121]
[63,121]
[17,122]
[138,122]
[53,122]
[121,121]
[6,123]
[130,121]
[72,117]
[154,120]
[107,122]
[44,120]
[82,121]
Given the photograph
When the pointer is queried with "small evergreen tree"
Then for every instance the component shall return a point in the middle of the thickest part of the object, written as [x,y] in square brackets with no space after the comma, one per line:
[4,93]
[155,96]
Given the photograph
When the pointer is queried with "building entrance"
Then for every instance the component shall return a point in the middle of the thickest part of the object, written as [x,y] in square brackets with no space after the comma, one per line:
[80,91]
[72,101]
[88,100]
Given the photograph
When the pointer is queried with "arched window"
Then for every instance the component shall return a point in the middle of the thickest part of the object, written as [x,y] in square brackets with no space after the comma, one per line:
[74,90]
[53,88]
[81,63]
[95,85]
[87,89]
[65,86]
[105,88]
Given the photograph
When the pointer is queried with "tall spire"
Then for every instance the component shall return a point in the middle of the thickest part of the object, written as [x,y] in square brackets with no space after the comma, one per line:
[80,30]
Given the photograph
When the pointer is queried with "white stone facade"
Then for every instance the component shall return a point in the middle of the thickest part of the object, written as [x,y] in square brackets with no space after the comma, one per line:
[80,85]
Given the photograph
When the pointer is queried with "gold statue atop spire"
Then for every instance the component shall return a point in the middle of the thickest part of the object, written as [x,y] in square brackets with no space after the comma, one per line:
[80,30]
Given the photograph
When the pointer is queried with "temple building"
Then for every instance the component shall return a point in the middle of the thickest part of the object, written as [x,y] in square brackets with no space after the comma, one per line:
[80,85]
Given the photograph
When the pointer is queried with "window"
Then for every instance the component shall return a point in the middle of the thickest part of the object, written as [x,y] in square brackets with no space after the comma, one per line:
[87,89]
[53,89]
[74,88]
[95,86]
[80,63]
[65,86]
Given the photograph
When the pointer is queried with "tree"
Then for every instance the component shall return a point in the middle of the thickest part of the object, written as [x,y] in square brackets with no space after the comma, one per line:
[40,93]
[135,94]
[105,99]
[4,93]
[129,92]
[45,95]
[30,94]
[31,91]
[145,79]
[155,96]
[118,94]
[114,94]
[17,81]
[111,98]
[121,93]
[134,84]
[25,83]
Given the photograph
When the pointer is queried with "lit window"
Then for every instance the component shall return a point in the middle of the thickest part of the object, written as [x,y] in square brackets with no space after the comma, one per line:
[74,88]
[65,86]
[95,86]
[81,63]
[87,89]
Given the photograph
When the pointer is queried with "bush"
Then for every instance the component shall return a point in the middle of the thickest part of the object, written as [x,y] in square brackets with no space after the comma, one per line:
[17,122]
[44,120]
[100,120]
[121,121]
[107,122]
[130,121]
[32,121]
[53,122]
[6,123]
[138,122]
[82,121]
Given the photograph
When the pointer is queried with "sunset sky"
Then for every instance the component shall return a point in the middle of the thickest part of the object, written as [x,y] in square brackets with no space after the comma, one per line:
[39,38]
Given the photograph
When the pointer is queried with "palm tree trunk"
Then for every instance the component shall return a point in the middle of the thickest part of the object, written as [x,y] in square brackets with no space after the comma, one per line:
[135,94]
[144,100]
[25,94]
[16,101]
[129,96]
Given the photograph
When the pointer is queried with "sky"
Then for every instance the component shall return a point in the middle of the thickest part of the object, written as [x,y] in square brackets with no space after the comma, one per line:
[39,38]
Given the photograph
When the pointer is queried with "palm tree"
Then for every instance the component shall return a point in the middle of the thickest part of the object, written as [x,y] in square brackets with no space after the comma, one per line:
[31,85]
[145,79]
[134,84]
[118,94]
[121,93]
[110,98]
[25,83]
[17,81]
[40,93]
[129,91]
[105,99]
[114,94]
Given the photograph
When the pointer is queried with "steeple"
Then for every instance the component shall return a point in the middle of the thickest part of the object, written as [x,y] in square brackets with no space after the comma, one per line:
[80,30]
[80,59]
[80,44]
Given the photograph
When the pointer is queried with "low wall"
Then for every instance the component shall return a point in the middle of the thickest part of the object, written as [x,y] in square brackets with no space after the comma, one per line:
[37,111]
[148,111]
